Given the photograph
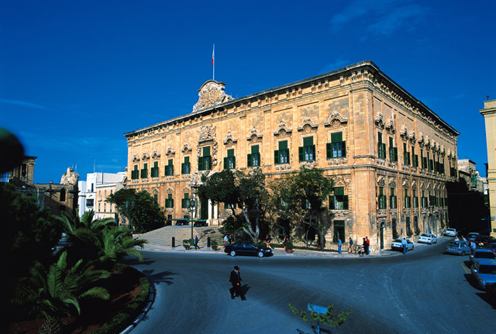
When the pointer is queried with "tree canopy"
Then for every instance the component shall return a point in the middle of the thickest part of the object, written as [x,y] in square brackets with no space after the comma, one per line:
[142,211]
[299,198]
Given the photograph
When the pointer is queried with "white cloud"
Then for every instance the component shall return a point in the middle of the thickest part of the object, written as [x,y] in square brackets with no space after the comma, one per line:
[23,104]
[380,17]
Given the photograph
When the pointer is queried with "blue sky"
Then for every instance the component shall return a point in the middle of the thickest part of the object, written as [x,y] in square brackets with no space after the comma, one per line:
[76,75]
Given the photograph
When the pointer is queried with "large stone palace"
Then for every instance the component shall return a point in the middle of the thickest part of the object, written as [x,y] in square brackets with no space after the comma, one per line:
[389,155]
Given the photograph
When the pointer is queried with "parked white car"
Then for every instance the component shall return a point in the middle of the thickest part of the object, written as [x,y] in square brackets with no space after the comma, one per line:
[451,232]
[428,238]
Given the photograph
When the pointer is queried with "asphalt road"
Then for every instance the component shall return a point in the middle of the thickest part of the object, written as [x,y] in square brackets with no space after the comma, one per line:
[424,291]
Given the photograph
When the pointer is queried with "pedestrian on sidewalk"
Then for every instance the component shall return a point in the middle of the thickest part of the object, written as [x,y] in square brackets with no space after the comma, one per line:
[340,243]
[226,240]
[368,245]
[350,247]
[196,242]
[235,281]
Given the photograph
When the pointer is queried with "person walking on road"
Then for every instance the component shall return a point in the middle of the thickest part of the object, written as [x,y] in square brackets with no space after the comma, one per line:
[350,247]
[403,245]
[340,243]
[368,245]
[196,242]
[235,280]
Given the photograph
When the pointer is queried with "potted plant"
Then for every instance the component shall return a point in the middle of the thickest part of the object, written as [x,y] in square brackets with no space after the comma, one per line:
[187,243]
[214,245]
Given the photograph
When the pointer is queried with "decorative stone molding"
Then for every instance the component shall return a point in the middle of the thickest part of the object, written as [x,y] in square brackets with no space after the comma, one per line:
[412,137]
[381,181]
[390,126]
[283,167]
[186,148]
[404,133]
[169,190]
[406,183]
[307,122]
[136,158]
[392,183]
[254,135]
[335,120]
[206,133]
[155,154]
[379,121]
[229,138]
[341,181]
[170,152]
[210,94]
[145,156]
[282,128]
[421,140]
[337,161]
[308,164]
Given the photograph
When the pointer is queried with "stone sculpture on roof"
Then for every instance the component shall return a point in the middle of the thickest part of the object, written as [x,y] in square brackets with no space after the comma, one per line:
[211,94]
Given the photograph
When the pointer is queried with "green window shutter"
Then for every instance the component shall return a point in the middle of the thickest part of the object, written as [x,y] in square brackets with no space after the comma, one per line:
[379,137]
[155,164]
[249,158]
[343,149]
[255,149]
[336,137]
[345,202]
[226,163]
[283,145]
[206,151]
[201,163]
[301,153]
[230,153]
[276,157]
[308,141]
[331,203]
[338,191]
[328,150]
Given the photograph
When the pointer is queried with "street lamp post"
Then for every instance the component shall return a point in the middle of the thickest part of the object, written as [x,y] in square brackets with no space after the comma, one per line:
[192,210]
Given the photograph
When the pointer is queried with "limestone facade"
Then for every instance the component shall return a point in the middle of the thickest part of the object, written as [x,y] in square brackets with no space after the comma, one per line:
[389,155]
[489,113]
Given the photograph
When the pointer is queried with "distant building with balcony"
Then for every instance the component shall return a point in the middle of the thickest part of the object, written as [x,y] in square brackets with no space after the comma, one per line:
[89,199]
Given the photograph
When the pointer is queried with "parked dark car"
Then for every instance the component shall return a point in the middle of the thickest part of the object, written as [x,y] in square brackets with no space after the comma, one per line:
[491,247]
[247,248]
[482,254]
[486,240]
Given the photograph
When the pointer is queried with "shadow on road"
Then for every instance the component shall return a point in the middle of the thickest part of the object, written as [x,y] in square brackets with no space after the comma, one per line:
[161,277]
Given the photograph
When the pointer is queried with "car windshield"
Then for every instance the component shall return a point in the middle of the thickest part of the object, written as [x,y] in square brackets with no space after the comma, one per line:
[487,269]
[484,255]
[424,235]
[454,244]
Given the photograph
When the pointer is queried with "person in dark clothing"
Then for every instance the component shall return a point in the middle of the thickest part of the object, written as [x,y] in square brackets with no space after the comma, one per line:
[235,280]
[196,242]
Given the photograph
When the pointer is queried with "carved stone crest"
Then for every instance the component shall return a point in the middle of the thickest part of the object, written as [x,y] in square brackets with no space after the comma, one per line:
[211,94]
[206,133]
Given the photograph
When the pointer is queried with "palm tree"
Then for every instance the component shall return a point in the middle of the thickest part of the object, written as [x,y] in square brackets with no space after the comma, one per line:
[118,242]
[58,290]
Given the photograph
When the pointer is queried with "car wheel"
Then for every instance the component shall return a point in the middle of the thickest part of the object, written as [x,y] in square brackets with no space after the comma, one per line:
[260,254]
[233,253]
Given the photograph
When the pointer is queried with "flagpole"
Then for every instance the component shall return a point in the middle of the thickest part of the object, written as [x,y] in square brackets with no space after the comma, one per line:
[213,63]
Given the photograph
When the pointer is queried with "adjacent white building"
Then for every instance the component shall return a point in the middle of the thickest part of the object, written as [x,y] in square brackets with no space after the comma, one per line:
[88,190]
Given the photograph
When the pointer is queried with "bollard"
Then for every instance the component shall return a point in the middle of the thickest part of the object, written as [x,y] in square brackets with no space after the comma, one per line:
[208,242]
[173,242]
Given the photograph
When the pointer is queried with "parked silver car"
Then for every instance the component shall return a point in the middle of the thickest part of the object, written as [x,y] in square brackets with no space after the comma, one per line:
[458,247]
[396,245]
[451,232]
[428,238]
